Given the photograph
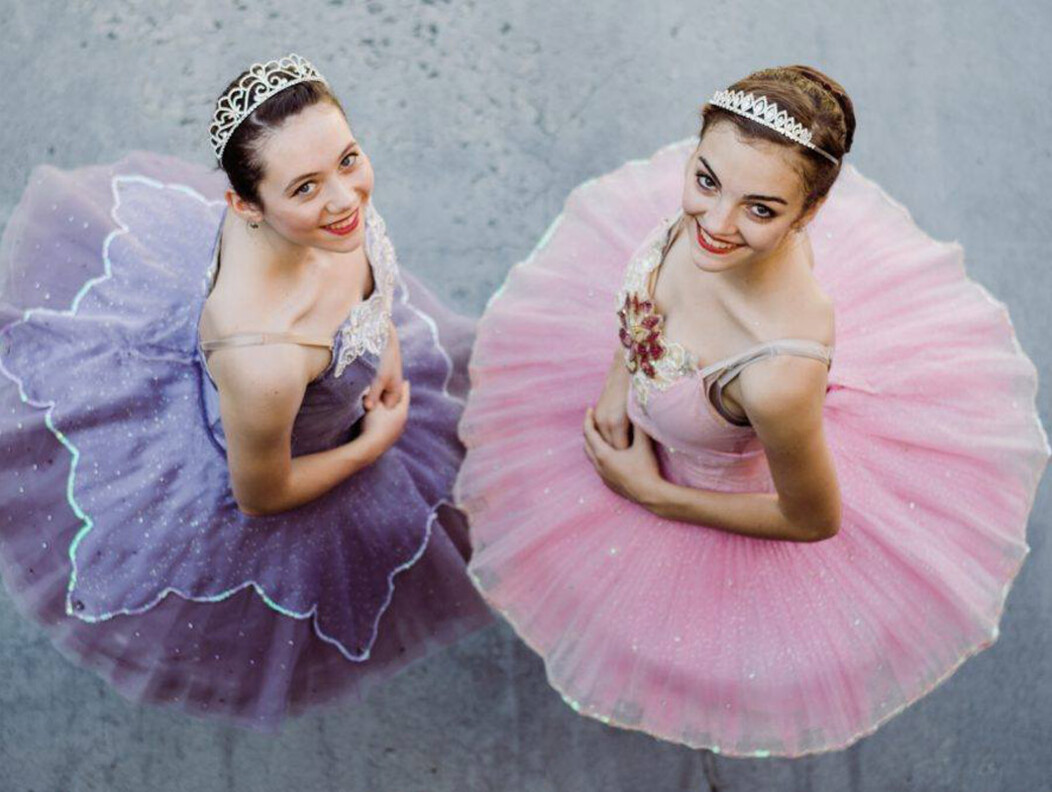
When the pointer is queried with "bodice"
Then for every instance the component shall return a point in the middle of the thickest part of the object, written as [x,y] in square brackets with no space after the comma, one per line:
[679,402]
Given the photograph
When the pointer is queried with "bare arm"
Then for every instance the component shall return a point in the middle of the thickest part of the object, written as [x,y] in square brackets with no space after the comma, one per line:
[260,392]
[783,398]
[611,411]
[387,384]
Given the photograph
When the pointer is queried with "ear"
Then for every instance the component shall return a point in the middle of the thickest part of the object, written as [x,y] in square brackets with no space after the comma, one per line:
[801,222]
[247,211]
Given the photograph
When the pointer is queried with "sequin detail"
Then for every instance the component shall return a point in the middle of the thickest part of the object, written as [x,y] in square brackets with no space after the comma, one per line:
[178,597]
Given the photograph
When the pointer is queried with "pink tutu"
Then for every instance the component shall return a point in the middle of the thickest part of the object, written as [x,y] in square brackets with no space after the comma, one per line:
[744,646]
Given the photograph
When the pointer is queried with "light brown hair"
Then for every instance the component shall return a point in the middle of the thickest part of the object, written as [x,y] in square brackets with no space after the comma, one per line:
[815,100]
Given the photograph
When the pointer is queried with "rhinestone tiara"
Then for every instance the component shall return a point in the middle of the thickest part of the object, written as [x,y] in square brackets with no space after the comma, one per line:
[261,82]
[762,111]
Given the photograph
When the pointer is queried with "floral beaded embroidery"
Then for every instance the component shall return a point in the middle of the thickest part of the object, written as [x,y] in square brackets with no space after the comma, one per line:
[640,334]
[367,327]
[652,360]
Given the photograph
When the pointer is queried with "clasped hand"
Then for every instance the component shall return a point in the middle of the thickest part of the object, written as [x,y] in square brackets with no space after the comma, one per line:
[387,400]
[386,386]
[631,471]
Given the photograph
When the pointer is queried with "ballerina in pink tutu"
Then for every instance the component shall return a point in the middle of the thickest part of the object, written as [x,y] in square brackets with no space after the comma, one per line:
[792,534]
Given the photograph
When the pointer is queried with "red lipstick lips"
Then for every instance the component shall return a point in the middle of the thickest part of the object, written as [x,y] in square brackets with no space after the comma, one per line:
[703,240]
[344,227]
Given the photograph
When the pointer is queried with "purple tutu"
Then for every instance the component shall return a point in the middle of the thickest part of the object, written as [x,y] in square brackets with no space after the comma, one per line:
[118,529]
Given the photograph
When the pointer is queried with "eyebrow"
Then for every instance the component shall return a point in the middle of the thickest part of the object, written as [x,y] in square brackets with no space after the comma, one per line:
[311,175]
[754,196]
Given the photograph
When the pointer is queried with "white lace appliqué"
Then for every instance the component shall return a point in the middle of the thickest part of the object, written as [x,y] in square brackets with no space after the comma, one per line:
[653,361]
[369,323]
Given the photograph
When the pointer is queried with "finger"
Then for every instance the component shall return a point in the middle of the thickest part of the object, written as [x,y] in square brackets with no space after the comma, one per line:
[393,391]
[372,394]
[591,431]
[606,431]
[603,432]
[619,436]
[592,438]
[599,444]
[588,452]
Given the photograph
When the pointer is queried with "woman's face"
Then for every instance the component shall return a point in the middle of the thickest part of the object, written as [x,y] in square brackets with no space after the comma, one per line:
[317,181]
[740,199]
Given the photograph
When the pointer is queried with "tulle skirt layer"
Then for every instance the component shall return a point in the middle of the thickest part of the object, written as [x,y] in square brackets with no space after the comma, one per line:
[744,646]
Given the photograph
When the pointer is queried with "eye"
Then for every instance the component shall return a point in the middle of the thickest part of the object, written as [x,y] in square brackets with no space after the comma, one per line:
[762,212]
[705,181]
[350,160]
[304,189]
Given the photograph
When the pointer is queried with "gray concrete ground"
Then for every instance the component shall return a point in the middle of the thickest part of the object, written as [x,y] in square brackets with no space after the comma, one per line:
[480,117]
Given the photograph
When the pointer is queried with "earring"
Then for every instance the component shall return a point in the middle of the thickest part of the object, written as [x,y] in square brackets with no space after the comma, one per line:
[253,225]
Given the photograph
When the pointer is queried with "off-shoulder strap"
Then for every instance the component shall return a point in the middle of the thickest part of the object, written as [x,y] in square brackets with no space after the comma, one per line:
[720,374]
[259,339]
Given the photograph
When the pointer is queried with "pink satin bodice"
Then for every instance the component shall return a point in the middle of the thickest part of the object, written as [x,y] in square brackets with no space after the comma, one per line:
[679,403]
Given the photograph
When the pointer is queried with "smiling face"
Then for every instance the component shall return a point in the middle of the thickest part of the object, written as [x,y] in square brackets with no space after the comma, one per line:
[316,181]
[741,199]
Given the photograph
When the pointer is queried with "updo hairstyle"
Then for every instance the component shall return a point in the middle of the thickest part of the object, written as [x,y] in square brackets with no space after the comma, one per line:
[241,158]
[818,102]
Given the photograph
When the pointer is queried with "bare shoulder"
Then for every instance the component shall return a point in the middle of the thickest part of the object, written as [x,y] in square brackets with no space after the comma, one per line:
[260,387]
[782,386]
[821,317]
[233,308]
[814,309]
[808,314]
[238,297]
[785,384]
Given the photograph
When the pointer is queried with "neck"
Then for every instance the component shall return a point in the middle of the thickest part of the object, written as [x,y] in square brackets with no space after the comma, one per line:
[278,254]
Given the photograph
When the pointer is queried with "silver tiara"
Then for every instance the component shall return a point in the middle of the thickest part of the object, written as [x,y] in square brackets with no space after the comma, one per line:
[762,111]
[261,82]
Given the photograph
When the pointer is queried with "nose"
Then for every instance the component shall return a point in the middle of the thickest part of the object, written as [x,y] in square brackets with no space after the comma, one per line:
[718,220]
[341,197]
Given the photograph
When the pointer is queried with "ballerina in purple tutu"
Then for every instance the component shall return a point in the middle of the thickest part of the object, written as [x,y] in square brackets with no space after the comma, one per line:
[219,492]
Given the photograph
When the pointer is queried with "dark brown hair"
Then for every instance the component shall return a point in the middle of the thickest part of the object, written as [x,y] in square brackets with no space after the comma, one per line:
[241,157]
[818,102]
